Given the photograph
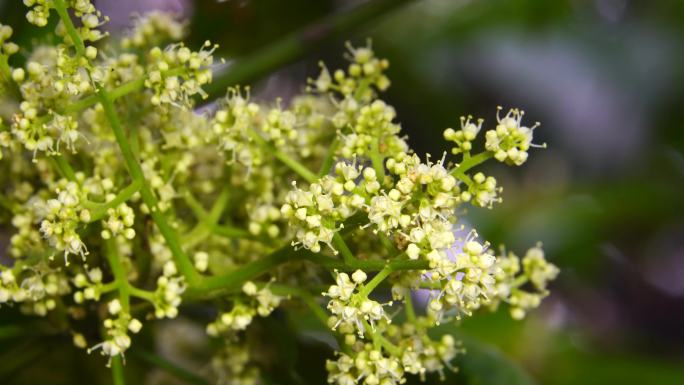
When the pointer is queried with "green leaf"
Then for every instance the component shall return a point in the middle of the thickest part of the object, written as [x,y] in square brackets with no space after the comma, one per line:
[483,363]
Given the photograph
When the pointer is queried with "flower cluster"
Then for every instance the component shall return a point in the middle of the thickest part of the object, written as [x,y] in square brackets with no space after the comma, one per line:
[470,281]
[364,71]
[510,279]
[421,354]
[153,29]
[261,302]
[177,73]
[510,140]
[89,284]
[119,222]
[463,138]
[116,329]
[167,297]
[369,366]
[7,48]
[232,124]
[62,216]
[353,310]
[35,290]
[105,157]
[233,365]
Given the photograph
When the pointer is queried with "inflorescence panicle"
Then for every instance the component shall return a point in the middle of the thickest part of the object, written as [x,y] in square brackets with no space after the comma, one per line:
[151,203]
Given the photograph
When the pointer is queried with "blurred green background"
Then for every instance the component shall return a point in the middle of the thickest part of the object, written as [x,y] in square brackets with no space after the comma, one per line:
[605,78]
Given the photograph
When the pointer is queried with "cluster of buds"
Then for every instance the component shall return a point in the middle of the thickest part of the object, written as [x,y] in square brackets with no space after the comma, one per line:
[482,191]
[39,12]
[153,29]
[91,19]
[7,48]
[373,122]
[463,138]
[53,78]
[351,308]
[177,73]
[367,366]
[170,288]
[364,72]
[232,365]
[233,163]
[232,124]
[163,187]
[421,354]
[425,223]
[316,212]
[9,288]
[116,330]
[260,302]
[34,290]
[89,284]
[119,222]
[280,126]
[510,278]
[264,219]
[62,217]
[467,275]
[510,140]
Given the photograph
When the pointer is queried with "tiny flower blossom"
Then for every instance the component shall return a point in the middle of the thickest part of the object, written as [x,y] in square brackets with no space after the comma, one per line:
[61,220]
[464,137]
[262,303]
[352,309]
[510,140]
[193,68]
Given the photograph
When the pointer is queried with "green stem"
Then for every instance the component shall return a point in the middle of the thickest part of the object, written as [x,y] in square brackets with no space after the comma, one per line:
[293,164]
[6,74]
[463,177]
[142,294]
[117,371]
[236,278]
[181,259]
[232,232]
[388,244]
[305,297]
[329,158]
[342,247]
[519,281]
[169,367]
[119,273]
[220,204]
[370,286]
[63,167]
[5,70]
[207,222]
[196,207]
[315,308]
[98,211]
[408,307]
[61,9]
[110,286]
[471,162]
[387,345]
[296,45]
[380,340]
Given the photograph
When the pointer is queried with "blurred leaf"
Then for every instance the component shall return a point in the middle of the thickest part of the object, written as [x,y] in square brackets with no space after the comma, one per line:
[483,363]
